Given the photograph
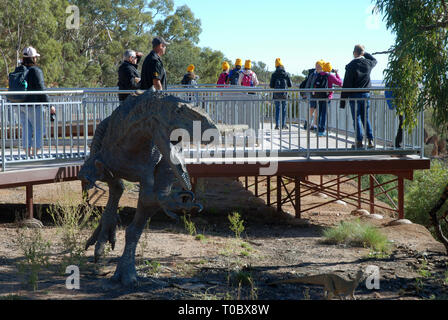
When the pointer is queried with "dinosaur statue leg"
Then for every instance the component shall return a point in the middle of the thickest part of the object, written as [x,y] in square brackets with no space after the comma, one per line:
[106,231]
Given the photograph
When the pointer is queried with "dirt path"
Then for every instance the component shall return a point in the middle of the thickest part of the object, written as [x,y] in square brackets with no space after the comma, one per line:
[173,264]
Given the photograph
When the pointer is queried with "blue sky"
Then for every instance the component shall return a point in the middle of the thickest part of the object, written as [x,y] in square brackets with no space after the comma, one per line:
[300,32]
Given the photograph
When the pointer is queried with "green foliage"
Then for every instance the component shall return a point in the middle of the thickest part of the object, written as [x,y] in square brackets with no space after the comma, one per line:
[189,225]
[419,57]
[153,267]
[424,192]
[356,233]
[36,253]
[72,220]
[236,224]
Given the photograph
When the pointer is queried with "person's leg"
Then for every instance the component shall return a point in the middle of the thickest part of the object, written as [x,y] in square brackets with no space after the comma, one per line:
[277,113]
[283,113]
[360,112]
[322,116]
[367,125]
[355,118]
[399,137]
[39,123]
[27,129]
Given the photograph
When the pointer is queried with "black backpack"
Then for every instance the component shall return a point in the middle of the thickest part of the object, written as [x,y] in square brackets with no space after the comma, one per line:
[186,80]
[233,79]
[280,83]
[321,83]
[17,82]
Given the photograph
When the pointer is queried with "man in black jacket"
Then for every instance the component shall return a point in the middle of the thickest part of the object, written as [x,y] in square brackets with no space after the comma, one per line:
[357,75]
[280,80]
[128,76]
[153,71]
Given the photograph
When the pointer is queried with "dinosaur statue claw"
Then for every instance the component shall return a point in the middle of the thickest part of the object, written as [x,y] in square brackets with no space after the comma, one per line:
[172,215]
[189,194]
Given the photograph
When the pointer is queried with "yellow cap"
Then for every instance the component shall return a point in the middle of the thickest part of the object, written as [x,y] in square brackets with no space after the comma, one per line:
[225,66]
[190,68]
[321,63]
[247,64]
[327,67]
[278,62]
[239,62]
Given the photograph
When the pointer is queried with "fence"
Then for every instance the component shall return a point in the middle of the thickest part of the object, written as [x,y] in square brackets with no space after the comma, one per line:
[246,118]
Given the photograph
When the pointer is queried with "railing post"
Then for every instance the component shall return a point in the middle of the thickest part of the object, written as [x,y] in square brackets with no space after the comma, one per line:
[3,121]
[86,125]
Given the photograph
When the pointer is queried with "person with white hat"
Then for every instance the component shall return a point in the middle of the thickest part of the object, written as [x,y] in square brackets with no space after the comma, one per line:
[31,116]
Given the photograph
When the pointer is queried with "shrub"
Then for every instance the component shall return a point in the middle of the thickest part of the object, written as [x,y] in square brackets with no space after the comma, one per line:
[356,233]
[236,224]
[36,253]
[424,192]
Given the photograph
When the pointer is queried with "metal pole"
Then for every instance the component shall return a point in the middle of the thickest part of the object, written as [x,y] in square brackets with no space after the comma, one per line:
[86,129]
[3,134]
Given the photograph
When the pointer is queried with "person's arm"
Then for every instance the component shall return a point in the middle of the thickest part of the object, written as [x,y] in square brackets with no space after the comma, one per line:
[334,80]
[255,79]
[371,59]
[240,78]
[157,76]
[36,79]
[157,84]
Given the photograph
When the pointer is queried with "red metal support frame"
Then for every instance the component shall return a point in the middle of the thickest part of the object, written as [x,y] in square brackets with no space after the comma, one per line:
[29,201]
[400,197]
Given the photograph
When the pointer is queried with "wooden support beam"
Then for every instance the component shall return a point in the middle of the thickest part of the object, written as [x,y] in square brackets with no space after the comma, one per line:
[372,194]
[279,193]
[400,197]
[29,201]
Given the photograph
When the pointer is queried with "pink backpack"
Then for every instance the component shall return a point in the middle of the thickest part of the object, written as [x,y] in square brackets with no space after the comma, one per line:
[222,78]
[247,80]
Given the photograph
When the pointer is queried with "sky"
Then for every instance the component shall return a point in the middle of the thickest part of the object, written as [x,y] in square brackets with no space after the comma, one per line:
[300,32]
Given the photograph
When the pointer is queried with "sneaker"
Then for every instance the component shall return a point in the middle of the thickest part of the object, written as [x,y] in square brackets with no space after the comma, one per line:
[285,127]
[322,134]
[276,128]
[313,128]
[305,125]
[370,145]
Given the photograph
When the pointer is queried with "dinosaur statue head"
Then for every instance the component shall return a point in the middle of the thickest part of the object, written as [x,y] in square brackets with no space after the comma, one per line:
[92,171]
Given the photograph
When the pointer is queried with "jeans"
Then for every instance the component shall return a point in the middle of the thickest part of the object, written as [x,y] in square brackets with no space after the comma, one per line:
[322,113]
[361,119]
[277,112]
[35,121]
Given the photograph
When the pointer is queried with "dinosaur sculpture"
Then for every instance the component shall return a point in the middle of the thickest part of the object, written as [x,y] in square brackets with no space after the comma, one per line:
[133,143]
[334,285]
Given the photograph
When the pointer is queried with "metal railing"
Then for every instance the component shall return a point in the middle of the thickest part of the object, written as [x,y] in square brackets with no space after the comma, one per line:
[246,118]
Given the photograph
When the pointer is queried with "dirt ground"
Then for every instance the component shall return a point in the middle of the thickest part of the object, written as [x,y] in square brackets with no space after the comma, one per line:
[172,264]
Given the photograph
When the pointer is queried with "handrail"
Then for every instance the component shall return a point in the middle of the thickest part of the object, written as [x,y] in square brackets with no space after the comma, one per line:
[219,89]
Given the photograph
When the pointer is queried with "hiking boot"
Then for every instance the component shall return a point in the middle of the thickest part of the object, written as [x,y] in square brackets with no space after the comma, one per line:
[322,134]
[285,127]
[276,128]
[313,128]
[358,145]
[370,145]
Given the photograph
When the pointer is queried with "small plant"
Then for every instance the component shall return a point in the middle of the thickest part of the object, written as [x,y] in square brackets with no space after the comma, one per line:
[245,253]
[72,219]
[306,294]
[377,255]
[189,225]
[35,252]
[200,237]
[236,224]
[246,246]
[445,281]
[424,271]
[357,234]
[153,267]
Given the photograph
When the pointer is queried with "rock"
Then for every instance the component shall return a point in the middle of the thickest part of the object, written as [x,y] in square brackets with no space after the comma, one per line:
[400,222]
[315,213]
[343,203]
[31,223]
[375,216]
[320,195]
[360,212]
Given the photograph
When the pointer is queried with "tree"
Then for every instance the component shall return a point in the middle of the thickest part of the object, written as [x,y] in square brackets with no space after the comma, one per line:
[418,61]
[418,68]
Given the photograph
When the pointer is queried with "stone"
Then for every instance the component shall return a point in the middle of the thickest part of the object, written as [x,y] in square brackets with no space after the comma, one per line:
[31,223]
[321,195]
[360,212]
[343,203]
[375,216]
[400,222]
